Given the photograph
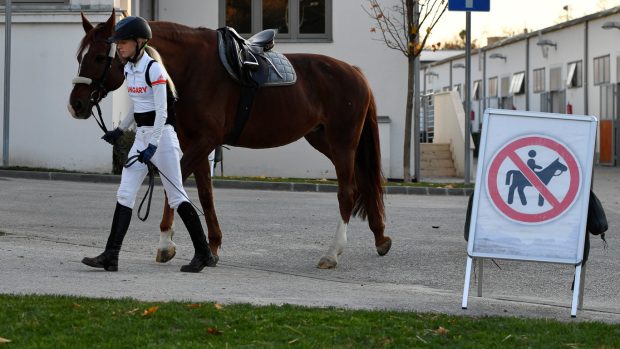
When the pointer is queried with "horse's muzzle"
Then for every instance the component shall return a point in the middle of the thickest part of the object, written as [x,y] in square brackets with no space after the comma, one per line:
[78,109]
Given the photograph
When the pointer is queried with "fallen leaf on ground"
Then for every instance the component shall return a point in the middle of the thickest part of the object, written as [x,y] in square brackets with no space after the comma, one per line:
[442,330]
[218,306]
[4,340]
[76,306]
[132,311]
[214,330]
[194,305]
[150,310]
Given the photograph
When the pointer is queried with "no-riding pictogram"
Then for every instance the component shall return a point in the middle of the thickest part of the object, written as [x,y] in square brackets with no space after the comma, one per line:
[516,167]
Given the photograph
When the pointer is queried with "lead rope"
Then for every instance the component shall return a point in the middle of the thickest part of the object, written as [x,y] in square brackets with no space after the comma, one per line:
[149,191]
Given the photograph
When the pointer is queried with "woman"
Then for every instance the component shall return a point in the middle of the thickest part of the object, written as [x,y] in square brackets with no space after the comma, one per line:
[156,141]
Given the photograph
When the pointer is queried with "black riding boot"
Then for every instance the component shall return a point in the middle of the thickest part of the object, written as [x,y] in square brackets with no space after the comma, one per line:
[108,260]
[202,254]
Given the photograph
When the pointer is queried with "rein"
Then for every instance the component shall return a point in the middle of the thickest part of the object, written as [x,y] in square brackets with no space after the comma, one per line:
[149,191]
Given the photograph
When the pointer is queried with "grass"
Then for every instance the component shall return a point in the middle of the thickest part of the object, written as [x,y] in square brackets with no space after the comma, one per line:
[70,322]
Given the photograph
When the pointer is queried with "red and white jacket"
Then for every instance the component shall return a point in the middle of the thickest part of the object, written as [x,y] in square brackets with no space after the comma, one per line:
[146,98]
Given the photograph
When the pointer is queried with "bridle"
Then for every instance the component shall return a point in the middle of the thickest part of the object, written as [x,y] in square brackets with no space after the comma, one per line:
[99,91]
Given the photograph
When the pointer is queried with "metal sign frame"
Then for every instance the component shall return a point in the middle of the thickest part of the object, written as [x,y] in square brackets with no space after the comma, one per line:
[587,156]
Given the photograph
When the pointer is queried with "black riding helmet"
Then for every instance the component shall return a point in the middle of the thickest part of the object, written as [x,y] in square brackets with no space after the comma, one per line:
[131,27]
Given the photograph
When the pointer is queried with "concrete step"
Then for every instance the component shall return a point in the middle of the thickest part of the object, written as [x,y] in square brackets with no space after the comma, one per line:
[438,155]
[436,163]
[436,160]
[443,172]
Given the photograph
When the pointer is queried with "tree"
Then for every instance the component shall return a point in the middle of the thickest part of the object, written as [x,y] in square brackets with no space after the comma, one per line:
[399,28]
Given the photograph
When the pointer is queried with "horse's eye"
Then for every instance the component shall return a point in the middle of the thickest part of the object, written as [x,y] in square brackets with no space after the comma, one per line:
[100,58]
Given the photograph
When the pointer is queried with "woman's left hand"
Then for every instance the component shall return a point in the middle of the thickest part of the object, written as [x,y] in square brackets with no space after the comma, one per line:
[146,155]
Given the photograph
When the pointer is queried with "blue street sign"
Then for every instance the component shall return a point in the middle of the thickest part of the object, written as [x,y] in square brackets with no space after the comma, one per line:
[469,5]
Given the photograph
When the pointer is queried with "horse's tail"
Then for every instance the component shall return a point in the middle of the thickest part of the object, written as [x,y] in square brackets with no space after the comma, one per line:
[368,174]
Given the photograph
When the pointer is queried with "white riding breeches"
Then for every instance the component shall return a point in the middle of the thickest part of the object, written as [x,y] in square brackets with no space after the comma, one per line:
[166,158]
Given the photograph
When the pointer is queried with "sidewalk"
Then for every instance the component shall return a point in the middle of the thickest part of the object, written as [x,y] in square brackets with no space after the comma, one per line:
[246,184]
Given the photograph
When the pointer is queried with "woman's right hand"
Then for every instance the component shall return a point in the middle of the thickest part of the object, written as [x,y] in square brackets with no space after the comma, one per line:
[112,136]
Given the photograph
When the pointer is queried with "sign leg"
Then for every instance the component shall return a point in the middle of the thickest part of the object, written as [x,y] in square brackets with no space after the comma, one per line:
[480,268]
[582,285]
[467,279]
[573,311]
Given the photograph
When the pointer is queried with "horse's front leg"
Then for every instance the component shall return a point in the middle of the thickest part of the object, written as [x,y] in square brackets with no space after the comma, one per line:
[195,162]
[205,194]
[166,248]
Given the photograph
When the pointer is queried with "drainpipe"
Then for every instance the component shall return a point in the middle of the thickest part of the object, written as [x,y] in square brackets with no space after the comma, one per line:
[484,82]
[8,7]
[526,78]
[584,66]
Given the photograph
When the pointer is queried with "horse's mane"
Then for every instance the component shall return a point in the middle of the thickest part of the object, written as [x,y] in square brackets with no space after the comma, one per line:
[163,29]
[88,39]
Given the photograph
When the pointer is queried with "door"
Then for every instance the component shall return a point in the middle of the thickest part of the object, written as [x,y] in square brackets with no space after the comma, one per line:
[606,127]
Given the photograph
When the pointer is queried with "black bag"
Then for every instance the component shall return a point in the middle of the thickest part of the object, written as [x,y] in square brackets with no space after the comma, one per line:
[597,221]
[468,217]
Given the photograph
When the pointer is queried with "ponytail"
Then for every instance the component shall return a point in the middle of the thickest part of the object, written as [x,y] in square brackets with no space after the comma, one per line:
[156,56]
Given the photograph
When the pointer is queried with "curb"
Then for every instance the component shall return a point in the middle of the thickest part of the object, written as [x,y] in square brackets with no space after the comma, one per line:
[235,184]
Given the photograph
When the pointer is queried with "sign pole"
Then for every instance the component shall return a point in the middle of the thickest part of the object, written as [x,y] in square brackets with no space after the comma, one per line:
[576,288]
[7,82]
[467,279]
[467,94]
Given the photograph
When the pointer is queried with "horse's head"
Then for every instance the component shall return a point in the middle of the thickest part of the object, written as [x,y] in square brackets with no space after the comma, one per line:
[100,69]
[558,166]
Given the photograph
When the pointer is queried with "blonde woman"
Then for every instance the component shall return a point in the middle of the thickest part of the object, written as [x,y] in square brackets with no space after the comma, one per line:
[156,141]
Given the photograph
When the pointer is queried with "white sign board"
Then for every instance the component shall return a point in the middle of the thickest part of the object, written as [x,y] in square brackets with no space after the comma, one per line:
[532,190]
[532,186]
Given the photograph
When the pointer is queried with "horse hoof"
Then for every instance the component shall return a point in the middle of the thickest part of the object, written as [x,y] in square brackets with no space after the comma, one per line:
[327,262]
[165,255]
[384,248]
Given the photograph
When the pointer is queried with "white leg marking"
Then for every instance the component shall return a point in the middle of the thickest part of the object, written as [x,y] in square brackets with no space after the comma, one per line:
[167,249]
[330,259]
[165,239]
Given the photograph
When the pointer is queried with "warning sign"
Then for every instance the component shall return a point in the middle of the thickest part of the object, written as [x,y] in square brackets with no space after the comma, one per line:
[533,179]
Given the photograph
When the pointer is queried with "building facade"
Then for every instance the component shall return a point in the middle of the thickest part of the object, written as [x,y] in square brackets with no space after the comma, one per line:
[572,67]
[46,34]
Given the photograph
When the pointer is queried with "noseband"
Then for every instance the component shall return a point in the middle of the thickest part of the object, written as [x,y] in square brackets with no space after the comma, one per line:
[99,90]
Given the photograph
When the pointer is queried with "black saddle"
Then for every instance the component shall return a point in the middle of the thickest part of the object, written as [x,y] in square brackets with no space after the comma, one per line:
[251,62]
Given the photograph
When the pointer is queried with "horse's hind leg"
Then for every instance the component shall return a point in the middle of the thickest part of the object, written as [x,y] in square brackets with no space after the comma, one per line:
[318,140]
[166,250]
[343,161]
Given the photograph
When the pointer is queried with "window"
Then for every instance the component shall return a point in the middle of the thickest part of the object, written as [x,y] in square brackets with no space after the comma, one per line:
[601,70]
[539,80]
[516,85]
[476,90]
[574,77]
[493,87]
[555,79]
[505,87]
[295,20]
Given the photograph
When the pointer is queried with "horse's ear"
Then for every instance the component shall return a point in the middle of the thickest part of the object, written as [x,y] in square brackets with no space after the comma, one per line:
[109,24]
[86,24]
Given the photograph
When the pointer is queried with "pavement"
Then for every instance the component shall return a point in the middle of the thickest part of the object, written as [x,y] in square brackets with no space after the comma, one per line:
[273,240]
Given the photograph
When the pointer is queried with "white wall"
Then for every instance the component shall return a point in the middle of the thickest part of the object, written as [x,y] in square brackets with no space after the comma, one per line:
[43,62]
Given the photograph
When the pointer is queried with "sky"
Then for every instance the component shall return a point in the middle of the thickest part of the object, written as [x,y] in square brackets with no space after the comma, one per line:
[514,16]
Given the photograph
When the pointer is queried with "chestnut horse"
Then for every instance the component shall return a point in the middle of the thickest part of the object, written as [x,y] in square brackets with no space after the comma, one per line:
[331,105]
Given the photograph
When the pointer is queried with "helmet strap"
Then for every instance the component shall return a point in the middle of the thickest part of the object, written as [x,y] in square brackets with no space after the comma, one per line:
[139,51]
